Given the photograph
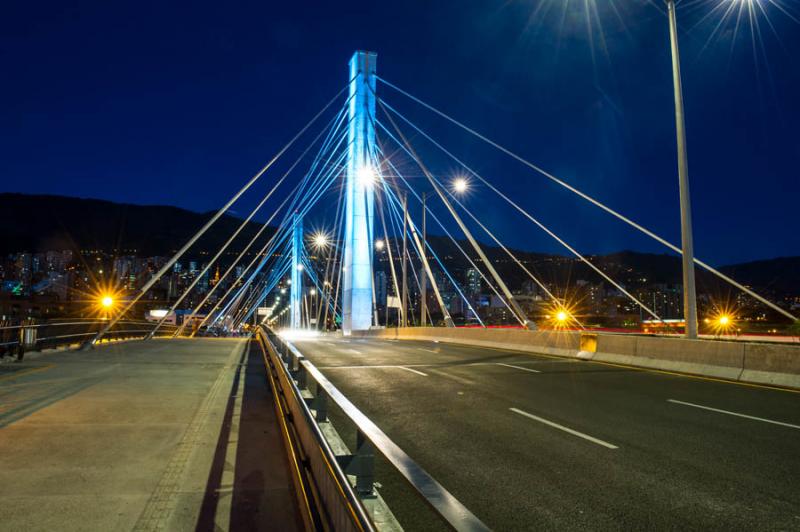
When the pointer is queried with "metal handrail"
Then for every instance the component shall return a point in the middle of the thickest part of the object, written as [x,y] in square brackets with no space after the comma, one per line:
[448,508]
[15,343]
[361,520]
[87,322]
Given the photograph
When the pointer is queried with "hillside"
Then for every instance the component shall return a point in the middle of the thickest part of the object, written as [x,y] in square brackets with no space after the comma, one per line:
[39,222]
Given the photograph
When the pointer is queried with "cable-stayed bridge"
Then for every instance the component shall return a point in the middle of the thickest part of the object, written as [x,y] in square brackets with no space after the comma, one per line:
[396,411]
[365,164]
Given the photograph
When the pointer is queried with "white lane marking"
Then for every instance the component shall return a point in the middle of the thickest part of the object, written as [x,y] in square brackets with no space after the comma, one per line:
[412,370]
[518,367]
[429,350]
[781,423]
[565,429]
[354,351]
[380,367]
[367,366]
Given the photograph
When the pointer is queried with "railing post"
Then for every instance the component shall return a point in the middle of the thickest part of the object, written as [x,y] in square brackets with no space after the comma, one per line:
[302,377]
[27,341]
[364,465]
[320,404]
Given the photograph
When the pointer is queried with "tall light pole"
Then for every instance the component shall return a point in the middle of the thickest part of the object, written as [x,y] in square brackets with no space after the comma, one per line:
[404,296]
[423,303]
[689,293]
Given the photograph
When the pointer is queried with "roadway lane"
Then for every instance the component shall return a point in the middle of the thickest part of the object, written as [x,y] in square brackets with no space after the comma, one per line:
[157,435]
[535,442]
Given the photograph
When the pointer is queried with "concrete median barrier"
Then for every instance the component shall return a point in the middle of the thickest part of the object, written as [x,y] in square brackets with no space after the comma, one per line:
[772,364]
[700,357]
[559,343]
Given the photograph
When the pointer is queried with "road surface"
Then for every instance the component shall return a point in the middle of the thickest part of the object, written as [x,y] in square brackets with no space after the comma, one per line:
[536,442]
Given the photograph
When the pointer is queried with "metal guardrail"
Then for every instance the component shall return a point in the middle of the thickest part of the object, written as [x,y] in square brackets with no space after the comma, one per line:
[327,472]
[18,339]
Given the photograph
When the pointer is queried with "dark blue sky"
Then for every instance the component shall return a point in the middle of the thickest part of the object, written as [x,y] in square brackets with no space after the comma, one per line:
[179,103]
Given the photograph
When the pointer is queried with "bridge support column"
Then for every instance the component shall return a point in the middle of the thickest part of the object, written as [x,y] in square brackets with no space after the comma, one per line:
[296,290]
[357,284]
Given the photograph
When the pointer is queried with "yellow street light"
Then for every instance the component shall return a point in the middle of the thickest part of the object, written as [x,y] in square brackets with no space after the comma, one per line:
[107,301]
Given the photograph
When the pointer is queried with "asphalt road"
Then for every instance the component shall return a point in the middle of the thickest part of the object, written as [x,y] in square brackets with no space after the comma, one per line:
[539,443]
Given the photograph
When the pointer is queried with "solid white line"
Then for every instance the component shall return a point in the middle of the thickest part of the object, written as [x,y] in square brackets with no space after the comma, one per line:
[518,367]
[781,423]
[413,371]
[565,429]
[379,367]
[429,350]
[367,366]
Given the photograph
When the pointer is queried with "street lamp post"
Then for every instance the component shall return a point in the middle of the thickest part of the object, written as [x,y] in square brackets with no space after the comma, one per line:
[423,298]
[689,293]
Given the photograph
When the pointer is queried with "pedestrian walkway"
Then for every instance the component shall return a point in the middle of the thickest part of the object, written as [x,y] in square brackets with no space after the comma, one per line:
[156,435]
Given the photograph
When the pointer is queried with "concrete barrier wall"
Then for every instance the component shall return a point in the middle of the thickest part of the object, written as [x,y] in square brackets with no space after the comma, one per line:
[772,364]
[701,357]
[546,342]
[743,361]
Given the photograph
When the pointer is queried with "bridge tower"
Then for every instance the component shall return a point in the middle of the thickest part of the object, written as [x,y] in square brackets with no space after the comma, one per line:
[296,290]
[357,283]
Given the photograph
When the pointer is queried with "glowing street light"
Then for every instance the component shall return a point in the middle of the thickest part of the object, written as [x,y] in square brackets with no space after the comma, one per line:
[690,297]
[366,176]
[107,301]
[320,240]
[379,245]
[460,185]
[722,321]
[562,316]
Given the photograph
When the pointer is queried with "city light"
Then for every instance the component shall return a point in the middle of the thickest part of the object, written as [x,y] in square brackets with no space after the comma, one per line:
[107,301]
[366,176]
[460,185]
[561,317]
[379,245]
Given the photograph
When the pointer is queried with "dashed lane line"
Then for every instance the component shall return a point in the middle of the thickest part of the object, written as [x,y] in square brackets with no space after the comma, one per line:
[737,414]
[563,428]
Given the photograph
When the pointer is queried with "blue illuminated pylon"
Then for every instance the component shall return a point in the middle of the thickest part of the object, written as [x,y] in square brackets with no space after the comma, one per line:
[296,289]
[361,177]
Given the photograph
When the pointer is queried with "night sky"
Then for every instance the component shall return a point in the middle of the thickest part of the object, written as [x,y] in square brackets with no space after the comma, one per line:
[180,103]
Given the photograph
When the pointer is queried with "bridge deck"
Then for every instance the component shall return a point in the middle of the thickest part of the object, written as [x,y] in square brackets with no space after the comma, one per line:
[165,434]
[589,446]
